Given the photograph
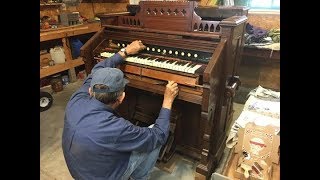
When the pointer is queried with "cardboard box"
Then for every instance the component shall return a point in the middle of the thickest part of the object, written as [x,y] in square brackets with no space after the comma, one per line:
[257,150]
[45,58]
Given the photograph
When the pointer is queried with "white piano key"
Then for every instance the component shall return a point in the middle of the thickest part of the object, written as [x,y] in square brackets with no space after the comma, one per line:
[165,64]
[177,66]
[171,65]
[183,67]
[193,69]
[187,67]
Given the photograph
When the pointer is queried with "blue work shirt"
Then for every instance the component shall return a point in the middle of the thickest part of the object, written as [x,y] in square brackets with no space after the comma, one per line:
[97,143]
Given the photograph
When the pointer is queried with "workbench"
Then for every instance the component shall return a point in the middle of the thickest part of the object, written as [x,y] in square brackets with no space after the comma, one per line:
[266,54]
[260,66]
[63,34]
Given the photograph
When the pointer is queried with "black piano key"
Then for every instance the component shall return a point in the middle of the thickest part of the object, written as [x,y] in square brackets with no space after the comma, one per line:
[189,65]
[184,63]
[172,62]
[193,65]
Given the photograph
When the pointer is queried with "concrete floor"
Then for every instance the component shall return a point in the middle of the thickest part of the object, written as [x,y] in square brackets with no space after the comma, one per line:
[52,164]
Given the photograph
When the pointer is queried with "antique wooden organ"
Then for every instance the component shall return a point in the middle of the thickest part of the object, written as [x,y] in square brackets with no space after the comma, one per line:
[201,55]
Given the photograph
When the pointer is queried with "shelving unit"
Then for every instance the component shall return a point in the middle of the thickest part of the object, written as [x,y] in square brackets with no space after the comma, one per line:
[64,34]
[50,4]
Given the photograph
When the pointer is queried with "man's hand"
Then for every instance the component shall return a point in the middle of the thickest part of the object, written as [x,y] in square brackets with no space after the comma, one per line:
[135,47]
[170,94]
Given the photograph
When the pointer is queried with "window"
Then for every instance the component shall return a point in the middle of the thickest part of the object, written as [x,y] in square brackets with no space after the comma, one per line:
[259,4]
[264,4]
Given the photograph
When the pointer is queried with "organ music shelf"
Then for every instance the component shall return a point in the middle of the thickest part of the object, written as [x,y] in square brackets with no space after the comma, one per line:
[63,34]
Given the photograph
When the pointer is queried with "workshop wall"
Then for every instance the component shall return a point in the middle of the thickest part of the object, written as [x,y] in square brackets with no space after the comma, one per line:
[86,9]
[265,21]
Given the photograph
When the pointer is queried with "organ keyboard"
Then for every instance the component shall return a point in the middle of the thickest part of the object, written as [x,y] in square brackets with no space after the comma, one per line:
[201,55]
[160,62]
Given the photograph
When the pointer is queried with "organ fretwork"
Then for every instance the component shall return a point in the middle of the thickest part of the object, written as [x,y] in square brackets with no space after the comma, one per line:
[201,54]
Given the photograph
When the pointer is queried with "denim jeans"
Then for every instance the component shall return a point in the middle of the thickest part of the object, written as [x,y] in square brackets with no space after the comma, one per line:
[140,164]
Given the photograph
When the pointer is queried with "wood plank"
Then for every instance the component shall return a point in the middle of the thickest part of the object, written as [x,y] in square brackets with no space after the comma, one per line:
[60,67]
[184,93]
[161,84]
[69,31]
[184,80]
[106,15]
[213,36]
[170,77]
[266,54]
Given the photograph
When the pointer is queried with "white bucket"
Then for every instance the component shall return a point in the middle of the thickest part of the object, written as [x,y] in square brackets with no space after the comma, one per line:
[57,55]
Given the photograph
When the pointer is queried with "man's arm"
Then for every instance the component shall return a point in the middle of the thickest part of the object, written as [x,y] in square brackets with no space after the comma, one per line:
[134,138]
[113,61]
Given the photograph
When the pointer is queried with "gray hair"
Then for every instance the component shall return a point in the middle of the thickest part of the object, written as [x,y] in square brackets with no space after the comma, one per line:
[106,98]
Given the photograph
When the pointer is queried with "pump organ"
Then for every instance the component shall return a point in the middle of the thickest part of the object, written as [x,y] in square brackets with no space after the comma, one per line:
[201,54]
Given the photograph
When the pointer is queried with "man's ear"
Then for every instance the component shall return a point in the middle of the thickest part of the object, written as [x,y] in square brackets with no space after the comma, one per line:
[90,91]
[121,98]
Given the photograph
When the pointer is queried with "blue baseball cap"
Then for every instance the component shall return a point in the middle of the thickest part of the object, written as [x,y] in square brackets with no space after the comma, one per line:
[113,78]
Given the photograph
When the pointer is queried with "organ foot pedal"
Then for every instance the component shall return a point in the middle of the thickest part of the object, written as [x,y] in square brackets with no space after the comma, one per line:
[168,149]
[140,118]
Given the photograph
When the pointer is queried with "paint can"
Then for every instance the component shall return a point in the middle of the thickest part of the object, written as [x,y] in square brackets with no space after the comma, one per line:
[65,79]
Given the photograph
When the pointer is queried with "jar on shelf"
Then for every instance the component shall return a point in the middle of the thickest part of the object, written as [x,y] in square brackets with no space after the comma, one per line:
[56,83]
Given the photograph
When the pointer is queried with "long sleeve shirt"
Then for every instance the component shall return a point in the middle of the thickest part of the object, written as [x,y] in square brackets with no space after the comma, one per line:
[97,142]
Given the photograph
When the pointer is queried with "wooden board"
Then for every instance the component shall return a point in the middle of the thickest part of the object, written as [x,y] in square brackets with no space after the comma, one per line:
[69,31]
[60,67]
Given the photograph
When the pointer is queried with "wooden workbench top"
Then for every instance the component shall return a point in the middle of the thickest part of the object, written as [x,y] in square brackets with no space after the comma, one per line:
[74,30]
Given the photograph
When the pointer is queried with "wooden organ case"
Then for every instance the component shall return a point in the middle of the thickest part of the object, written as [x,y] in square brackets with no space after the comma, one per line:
[200,55]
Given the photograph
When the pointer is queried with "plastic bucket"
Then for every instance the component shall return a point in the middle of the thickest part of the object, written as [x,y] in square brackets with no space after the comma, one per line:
[57,55]
[76,44]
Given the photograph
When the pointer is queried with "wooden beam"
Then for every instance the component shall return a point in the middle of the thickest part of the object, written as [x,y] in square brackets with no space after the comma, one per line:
[60,67]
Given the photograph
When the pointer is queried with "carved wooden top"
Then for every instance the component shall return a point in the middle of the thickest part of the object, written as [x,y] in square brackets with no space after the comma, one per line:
[179,16]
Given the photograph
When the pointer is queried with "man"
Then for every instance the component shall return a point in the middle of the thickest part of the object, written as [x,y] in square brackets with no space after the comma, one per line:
[99,144]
